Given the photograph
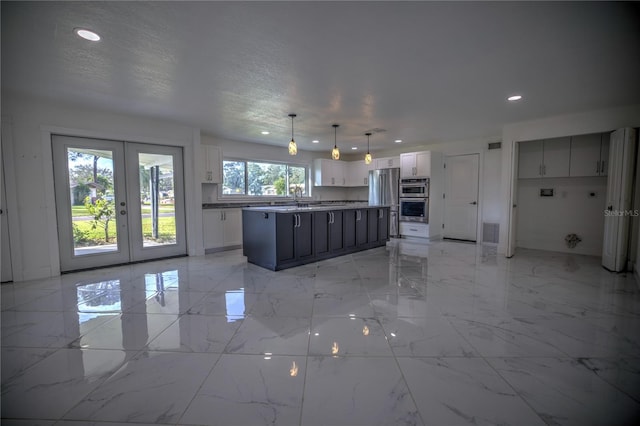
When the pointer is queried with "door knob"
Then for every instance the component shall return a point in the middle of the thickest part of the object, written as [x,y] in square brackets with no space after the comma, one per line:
[123,212]
[122,203]
[473,202]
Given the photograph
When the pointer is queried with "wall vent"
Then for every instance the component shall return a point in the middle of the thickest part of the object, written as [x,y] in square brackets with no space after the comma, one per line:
[495,145]
[490,233]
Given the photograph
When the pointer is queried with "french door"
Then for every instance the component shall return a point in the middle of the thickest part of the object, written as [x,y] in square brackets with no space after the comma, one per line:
[117,202]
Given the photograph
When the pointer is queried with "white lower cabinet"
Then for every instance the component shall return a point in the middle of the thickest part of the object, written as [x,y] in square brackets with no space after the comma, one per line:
[222,228]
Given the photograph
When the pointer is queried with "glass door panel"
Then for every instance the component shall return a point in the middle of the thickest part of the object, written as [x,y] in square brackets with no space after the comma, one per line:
[157,207]
[90,202]
[156,198]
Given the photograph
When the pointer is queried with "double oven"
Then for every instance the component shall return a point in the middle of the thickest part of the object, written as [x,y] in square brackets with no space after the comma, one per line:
[414,200]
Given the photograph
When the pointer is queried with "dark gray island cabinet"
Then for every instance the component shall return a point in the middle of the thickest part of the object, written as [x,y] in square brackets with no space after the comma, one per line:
[283,237]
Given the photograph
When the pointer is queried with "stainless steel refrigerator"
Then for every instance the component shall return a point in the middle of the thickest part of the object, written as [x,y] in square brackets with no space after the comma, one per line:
[383,191]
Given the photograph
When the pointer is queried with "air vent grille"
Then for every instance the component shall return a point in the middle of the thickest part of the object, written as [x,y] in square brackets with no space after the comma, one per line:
[495,145]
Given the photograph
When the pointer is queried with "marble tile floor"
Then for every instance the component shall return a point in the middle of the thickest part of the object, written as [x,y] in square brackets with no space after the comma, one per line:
[408,334]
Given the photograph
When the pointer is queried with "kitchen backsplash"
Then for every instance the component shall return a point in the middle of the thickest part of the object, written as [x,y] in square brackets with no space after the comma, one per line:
[210,194]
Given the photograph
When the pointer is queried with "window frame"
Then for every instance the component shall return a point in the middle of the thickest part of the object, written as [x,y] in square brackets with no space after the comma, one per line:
[246,194]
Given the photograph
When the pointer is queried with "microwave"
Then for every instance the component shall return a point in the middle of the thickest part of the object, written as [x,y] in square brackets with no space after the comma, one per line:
[414,188]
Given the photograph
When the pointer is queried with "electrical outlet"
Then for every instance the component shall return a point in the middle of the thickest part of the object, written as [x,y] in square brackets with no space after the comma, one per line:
[592,194]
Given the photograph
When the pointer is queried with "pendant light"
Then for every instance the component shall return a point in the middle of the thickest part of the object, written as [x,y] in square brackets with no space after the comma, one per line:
[367,157]
[293,148]
[335,152]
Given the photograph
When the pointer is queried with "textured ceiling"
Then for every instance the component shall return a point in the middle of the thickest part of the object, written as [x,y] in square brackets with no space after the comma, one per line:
[424,71]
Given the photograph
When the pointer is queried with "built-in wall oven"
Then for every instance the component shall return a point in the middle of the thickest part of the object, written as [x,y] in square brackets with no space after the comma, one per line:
[414,200]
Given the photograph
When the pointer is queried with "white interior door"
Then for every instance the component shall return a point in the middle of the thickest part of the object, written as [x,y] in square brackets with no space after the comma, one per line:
[117,202]
[461,197]
[619,194]
[5,262]
[513,197]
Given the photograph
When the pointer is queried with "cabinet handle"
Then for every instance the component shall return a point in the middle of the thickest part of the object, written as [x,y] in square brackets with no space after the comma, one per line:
[365,181]
[333,181]
[380,214]
[598,167]
[602,168]
[209,176]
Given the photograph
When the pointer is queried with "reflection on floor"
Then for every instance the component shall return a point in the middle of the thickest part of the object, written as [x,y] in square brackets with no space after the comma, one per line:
[445,334]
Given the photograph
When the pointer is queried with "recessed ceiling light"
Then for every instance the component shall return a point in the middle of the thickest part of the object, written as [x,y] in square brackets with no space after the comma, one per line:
[264,132]
[315,141]
[398,141]
[354,148]
[514,98]
[86,34]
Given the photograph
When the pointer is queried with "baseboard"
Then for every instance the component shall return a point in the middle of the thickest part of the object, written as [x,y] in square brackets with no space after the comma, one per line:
[219,249]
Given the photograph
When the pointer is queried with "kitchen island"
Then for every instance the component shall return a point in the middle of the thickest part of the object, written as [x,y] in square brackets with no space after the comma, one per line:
[280,237]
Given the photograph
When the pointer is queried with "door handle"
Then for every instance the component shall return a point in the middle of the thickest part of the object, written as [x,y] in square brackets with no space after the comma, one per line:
[473,202]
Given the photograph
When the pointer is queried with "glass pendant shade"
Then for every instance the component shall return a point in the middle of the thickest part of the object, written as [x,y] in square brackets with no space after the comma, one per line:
[335,152]
[293,148]
[367,157]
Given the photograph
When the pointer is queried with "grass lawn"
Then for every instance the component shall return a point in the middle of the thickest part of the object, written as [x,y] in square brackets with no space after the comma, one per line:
[85,236]
[146,209]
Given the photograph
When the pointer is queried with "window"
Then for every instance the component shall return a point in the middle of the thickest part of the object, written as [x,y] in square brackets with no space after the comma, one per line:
[263,179]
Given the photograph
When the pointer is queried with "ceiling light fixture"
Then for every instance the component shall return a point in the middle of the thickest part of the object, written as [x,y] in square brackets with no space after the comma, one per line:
[398,141]
[335,152]
[293,148]
[264,132]
[315,141]
[367,157]
[514,98]
[86,34]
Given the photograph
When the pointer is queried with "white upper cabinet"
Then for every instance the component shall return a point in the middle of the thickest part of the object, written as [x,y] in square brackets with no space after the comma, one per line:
[544,158]
[358,173]
[329,172]
[210,164]
[556,154]
[386,163]
[415,164]
[589,155]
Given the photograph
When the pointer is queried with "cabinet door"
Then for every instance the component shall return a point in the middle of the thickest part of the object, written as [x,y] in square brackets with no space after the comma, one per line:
[349,222]
[423,164]
[556,157]
[585,155]
[285,231]
[383,224]
[604,153]
[361,227]
[372,226]
[336,232]
[210,168]
[386,163]
[212,229]
[321,232]
[338,173]
[408,164]
[304,236]
[232,224]
[530,159]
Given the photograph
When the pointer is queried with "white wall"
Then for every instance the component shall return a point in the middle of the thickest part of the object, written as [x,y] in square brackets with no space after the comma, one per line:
[550,127]
[543,222]
[32,122]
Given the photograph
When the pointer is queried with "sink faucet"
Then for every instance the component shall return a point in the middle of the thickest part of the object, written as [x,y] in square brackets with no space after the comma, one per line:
[297,193]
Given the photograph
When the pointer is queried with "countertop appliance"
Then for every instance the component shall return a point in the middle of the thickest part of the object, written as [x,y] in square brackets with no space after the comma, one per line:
[384,191]
[414,200]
